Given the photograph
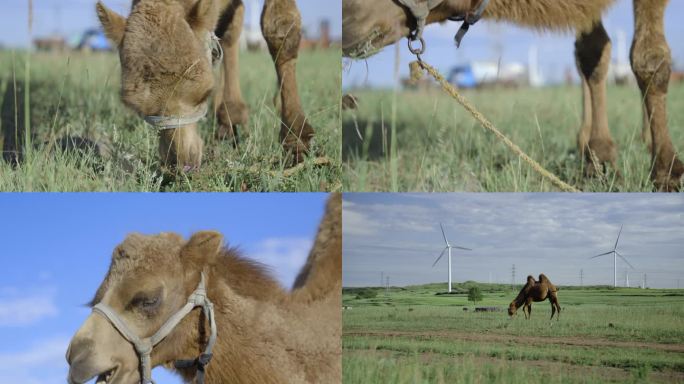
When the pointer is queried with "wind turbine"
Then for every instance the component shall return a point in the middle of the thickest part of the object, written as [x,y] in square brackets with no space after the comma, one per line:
[615,255]
[448,247]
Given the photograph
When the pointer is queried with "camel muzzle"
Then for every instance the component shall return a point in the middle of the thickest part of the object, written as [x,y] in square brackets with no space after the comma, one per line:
[143,347]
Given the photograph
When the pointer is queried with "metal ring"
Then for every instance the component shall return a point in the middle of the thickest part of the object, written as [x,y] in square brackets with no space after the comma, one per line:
[416,51]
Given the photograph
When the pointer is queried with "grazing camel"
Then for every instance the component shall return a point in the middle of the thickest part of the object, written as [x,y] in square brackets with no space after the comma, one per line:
[535,291]
[256,331]
[368,26]
[167,49]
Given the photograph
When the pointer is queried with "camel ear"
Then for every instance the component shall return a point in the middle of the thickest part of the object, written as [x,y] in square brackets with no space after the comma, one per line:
[113,24]
[202,247]
[203,15]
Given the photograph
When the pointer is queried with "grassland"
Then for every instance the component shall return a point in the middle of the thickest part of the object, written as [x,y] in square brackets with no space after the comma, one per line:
[411,335]
[84,139]
[440,147]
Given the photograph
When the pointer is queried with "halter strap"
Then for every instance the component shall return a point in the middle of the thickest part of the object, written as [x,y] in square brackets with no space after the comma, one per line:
[173,122]
[468,19]
[143,347]
[420,9]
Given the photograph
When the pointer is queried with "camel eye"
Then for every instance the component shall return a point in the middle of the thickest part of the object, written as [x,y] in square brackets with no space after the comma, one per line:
[145,302]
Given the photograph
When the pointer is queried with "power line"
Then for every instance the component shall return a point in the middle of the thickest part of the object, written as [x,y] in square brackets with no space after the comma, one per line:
[513,278]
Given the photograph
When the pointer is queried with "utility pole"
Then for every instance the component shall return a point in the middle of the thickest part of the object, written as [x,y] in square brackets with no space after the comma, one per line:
[513,278]
[387,286]
[626,279]
[581,277]
[382,279]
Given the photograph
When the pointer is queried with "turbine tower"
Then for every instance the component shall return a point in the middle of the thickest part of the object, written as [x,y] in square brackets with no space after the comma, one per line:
[615,254]
[448,248]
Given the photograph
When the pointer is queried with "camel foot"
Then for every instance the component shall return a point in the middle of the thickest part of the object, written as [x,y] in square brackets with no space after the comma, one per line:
[228,132]
[668,178]
[297,147]
[599,155]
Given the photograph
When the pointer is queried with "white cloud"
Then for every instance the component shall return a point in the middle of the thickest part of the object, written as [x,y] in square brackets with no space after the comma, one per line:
[17,310]
[47,352]
[285,256]
[42,363]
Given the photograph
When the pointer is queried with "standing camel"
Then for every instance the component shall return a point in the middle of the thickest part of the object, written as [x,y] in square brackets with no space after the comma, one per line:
[368,26]
[536,291]
[167,49]
[212,315]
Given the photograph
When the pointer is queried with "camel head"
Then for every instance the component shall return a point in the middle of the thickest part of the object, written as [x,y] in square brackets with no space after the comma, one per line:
[512,309]
[369,26]
[166,69]
[149,280]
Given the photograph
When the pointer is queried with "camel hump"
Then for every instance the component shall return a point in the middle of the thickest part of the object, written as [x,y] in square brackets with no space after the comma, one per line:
[322,273]
[545,280]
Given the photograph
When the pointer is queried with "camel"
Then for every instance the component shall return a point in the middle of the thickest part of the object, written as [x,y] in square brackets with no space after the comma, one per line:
[534,291]
[167,49]
[264,333]
[368,26]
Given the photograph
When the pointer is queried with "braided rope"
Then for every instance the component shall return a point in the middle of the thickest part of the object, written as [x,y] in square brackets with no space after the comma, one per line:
[416,73]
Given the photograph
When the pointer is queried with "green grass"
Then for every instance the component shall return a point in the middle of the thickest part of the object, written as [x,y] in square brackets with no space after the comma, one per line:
[412,335]
[442,148]
[76,95]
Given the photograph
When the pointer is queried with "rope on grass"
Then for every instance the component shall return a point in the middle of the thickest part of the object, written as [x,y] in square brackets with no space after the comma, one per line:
[416,74]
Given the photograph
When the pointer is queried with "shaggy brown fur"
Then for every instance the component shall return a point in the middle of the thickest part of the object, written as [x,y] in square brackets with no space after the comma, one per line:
[265,334]
[368,26]
[165,69]
[535,291]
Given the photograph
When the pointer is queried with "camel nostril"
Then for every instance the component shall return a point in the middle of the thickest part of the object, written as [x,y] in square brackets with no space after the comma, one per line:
[78,350]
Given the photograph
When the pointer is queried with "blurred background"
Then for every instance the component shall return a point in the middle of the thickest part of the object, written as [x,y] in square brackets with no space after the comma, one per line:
[60,25]
[56,249]
[504,54]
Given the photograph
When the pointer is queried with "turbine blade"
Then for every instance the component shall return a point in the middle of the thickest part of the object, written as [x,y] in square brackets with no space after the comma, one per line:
[618,238]
[463,248]
[443,234]
[623,259]
[603,254]
[440,256]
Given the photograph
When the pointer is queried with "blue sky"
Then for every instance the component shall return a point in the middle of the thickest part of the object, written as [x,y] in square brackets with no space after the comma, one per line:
[553,233]
[555,49]
[56,249]
[73,16]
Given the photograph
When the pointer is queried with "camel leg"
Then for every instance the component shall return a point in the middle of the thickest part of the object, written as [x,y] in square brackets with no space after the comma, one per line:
[281,26]
[555,307]
[230,108]
[651,64]
[592,55]
[585,128]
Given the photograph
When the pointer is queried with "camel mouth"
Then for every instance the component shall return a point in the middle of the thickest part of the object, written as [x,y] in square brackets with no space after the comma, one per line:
[366,47]
[106,377]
